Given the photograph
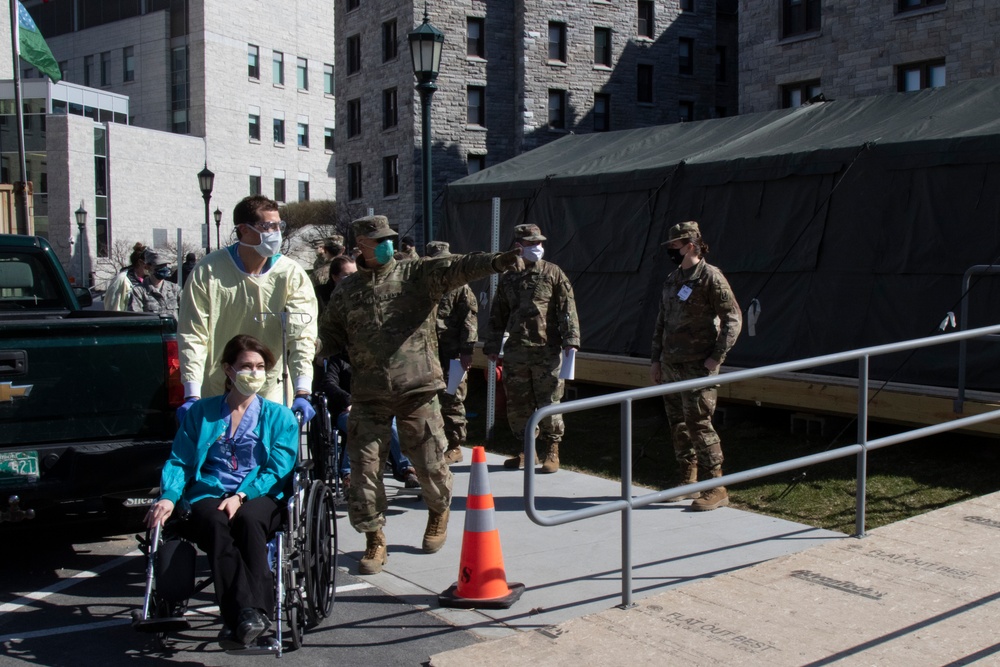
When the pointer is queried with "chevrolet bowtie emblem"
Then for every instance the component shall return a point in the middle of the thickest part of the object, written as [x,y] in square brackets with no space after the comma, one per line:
[9,391]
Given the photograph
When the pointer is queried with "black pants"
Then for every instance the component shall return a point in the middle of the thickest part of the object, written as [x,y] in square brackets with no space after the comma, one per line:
[237,551]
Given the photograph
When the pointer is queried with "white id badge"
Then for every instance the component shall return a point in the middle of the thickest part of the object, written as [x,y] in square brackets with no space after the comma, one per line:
[684,292]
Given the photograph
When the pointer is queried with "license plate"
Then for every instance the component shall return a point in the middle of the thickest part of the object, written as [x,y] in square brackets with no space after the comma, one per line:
[18,467]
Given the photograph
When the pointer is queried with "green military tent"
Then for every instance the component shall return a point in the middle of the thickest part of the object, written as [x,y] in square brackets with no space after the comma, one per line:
[851,222]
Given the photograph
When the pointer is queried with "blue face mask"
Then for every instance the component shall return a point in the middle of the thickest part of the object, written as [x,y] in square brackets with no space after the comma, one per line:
[162,273]
[384,251]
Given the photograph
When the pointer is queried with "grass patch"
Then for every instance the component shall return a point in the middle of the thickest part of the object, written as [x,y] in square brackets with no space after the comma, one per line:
[903,481]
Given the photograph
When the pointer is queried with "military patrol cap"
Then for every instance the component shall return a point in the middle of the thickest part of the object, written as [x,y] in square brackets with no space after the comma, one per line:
[373,227]
[528,233]
[156,258]
[335,238]
[684,230]
[437,249]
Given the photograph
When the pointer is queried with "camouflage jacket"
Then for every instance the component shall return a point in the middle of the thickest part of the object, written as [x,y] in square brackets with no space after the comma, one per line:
[457,323]
[144,298]
[536,307]
[702,324]
[385,318]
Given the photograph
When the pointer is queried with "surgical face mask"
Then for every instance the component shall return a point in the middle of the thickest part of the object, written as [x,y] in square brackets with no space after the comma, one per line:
[249,383]
[675,255]
[270,244]
[532,253]
[162,273]
[384,251]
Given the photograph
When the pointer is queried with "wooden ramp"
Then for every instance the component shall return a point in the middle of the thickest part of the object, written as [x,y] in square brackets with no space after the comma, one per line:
[914,405]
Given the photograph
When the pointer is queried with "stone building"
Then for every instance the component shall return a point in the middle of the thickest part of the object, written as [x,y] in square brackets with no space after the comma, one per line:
[516,75]
[792,50]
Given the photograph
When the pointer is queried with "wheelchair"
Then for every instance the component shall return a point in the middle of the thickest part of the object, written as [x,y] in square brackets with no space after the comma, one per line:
[302,556]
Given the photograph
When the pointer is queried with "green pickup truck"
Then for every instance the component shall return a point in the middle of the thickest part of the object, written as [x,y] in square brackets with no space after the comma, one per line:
[87,397]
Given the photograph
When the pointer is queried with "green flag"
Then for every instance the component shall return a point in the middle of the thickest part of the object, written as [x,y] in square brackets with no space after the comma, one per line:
[33,46]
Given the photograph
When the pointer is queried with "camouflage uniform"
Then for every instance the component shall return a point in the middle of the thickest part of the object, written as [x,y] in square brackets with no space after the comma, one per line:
[537,308]
[383,316]
[689,331]
[409,253]
[164,299]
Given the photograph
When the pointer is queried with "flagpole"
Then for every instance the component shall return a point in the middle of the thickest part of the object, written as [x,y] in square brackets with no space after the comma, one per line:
[22,227]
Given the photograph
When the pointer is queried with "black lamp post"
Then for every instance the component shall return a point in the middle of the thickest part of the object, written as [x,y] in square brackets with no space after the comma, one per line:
[218,221]
[206,179]
[426,43]
[81,224]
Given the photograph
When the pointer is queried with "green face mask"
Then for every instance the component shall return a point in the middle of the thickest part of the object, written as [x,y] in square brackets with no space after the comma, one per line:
[384,251]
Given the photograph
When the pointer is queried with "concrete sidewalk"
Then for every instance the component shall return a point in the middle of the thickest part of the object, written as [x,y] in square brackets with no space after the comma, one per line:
[572,570]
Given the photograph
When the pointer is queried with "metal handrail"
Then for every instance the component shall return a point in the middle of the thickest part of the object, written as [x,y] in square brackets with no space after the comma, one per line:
[978,270]
[628,502]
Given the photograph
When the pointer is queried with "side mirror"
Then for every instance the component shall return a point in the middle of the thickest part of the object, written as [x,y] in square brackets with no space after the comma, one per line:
[83,296]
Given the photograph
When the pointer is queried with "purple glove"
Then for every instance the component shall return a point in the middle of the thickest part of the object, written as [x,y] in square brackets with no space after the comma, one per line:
[184,407]
[302,404]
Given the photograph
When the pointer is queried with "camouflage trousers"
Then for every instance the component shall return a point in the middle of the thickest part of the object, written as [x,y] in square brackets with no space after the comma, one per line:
[453,410]
[421,438]
[531,382]
[690,415]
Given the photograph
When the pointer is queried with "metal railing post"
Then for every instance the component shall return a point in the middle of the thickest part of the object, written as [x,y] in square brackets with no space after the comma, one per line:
[862,472]
[626,472]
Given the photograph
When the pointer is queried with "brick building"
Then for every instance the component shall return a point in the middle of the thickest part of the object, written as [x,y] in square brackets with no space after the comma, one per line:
[791,50]
[516,75]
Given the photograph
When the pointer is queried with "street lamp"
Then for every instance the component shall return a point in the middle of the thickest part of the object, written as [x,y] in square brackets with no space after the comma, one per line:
[218,221]
[81,224]
[426,43]
[206,179]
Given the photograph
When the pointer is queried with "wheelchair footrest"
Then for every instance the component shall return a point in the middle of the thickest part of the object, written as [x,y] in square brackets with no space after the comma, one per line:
[154,625]
[266,647]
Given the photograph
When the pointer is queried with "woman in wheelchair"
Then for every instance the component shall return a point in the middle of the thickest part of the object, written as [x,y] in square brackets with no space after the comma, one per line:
[230,464]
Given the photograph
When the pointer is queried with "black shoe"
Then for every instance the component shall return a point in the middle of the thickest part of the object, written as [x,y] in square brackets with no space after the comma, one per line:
[227,640]
[250,625]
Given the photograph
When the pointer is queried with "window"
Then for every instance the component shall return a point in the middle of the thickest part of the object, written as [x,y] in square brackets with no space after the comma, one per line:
[279,188]
[646,26]
[685,56]
[302,135]
[353,118]
[328,139]
[476,106]
[799,17]
[917,76]
[720,63]
[390,44]
[254,184]
[328,85]
[106,68]
[354,180]
[687,5]
[602,112]
[644,84]
[180,92]
[910,5]
[476,163]
[88,70]
[128,63]
[602,46]
[254,126]
[796,94]
[390,114]
[476,40]
[390,176]
[557,42]
[557,109]
[278,68]
[353,54]
[279,130]
[303,190]
[685,111]
[302,73]
[253,61]
[353,4]
[63,68]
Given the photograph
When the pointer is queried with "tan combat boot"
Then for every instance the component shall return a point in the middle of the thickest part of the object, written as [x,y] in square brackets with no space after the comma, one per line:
[376,553]
[437,530]
[551,462]
[688,474]
[453,455]
[517,462]
[712,499]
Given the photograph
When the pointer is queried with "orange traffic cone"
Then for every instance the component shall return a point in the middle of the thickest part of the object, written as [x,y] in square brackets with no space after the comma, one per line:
[482,582]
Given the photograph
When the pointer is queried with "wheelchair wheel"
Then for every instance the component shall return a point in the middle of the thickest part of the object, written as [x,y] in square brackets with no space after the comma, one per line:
[321,548]
[292,603]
